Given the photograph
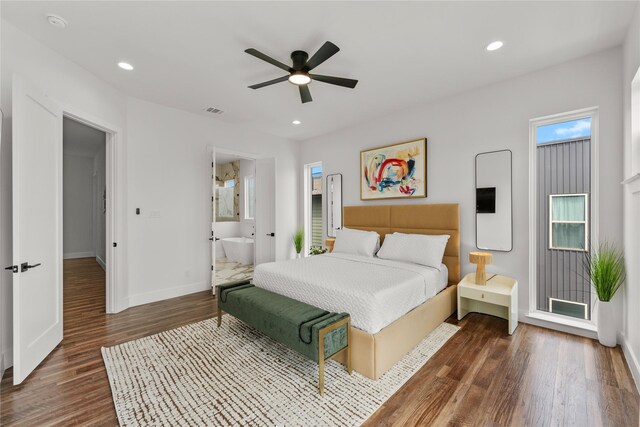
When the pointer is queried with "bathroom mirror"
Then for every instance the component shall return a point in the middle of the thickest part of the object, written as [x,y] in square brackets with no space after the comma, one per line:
[334,204]
[494,222]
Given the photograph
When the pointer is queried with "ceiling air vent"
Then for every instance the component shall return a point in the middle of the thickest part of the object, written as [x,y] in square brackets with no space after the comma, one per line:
[213,110]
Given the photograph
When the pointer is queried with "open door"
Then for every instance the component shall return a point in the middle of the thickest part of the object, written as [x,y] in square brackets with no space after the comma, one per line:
[37,227]
[212,238]
[265,210]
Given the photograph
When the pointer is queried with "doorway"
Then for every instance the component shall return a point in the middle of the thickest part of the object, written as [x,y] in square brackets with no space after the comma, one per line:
[233,227]
[84,216]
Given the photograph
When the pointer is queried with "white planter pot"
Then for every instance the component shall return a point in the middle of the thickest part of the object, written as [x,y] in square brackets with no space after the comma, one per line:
[606,324]
[298,256]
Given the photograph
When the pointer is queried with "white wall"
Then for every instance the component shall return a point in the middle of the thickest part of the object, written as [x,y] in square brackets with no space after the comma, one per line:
[492,118]
[164,165]
[170,172]
[78,206]
[631,295]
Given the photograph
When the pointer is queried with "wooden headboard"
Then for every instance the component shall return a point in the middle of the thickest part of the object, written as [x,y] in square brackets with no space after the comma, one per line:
[414,219]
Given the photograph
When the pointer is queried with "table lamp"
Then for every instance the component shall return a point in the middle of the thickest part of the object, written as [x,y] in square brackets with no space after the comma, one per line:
[481,259]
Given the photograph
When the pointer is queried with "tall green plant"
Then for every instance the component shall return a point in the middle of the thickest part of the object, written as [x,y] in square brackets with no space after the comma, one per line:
[605,268]
[298,239]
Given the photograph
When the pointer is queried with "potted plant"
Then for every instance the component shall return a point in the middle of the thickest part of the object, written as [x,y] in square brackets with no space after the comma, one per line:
[605,268]
[298,240]
[317,250]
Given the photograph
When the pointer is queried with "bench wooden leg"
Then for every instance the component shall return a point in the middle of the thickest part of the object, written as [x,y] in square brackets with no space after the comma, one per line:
[219,317]
[321,361]
[349,348]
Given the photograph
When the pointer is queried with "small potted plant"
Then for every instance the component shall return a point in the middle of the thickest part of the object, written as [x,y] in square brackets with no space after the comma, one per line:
[317,250]
[605,269]
[298,240]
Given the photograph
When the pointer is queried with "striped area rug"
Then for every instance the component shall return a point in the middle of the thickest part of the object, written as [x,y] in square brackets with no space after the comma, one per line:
[202,375]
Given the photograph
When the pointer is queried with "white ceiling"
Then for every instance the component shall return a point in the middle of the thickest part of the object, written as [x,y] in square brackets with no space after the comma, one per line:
[81,140]
[190,55]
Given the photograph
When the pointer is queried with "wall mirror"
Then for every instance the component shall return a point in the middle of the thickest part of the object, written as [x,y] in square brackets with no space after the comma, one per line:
[334,204]
[494,221]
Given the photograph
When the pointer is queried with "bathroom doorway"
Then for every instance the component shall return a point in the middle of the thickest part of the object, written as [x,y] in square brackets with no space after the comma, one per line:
[233,227]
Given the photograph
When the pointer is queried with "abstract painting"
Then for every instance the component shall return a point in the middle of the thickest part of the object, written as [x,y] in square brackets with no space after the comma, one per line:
[394,171]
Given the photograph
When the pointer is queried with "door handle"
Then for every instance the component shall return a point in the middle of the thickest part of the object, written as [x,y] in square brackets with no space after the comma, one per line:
[271,234]
[25,266]
[13,268]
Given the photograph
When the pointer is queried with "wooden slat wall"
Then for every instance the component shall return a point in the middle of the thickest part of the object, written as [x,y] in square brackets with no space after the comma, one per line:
[563,168]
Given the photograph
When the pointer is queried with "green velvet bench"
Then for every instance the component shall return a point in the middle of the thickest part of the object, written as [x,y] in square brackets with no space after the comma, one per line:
[316,334]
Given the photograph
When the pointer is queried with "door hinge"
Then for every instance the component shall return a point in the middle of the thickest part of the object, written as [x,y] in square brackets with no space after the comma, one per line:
[13,268]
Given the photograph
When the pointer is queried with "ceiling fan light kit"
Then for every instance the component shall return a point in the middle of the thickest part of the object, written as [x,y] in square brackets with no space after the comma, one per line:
[299,71]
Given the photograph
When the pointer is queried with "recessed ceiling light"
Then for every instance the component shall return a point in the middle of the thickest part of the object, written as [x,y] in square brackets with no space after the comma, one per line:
[494,45]
[57,21]
[125,66]
[296,122]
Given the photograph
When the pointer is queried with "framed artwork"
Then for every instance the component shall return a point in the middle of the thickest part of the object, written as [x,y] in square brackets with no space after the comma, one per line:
[397,171]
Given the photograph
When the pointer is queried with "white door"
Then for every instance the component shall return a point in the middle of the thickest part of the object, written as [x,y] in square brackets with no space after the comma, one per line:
[212,238]
[37,227]
[265,210]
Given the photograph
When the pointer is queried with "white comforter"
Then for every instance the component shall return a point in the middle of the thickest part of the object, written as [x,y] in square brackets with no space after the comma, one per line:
[375,292]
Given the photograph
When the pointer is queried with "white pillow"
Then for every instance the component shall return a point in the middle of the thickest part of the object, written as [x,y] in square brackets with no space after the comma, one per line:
[421,249]
[356,242]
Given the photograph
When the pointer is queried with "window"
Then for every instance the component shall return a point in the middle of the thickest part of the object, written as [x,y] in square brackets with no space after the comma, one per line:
[563,131]
[562,176]
[249,197]
[568,225]
[313,193]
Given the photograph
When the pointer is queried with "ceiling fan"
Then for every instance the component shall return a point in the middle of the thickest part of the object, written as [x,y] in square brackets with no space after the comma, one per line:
[299,71]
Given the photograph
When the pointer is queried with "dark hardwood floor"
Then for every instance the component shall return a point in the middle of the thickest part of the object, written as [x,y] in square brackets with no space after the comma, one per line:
[482,376]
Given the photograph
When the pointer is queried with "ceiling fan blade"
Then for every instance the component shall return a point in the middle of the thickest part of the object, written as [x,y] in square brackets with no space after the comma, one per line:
[325,52]
[340,81]
[305,94]
[270,82]
[260,55]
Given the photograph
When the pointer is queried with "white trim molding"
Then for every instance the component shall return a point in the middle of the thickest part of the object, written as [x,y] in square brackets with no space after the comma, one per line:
[163,294]
[101,262]
[632,183]
[74,255]
[632,359]
[7,359]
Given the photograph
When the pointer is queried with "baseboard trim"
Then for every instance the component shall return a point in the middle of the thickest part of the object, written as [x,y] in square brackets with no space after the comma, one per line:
[7,359]
[523,318]
[163,294]
[74,255]
[1,366]
[101,262]
[632,360]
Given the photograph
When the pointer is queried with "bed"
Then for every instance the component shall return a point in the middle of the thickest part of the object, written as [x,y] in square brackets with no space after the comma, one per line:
[393,305]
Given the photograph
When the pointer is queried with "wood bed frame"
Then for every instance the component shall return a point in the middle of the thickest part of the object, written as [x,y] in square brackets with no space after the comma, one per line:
[373,354]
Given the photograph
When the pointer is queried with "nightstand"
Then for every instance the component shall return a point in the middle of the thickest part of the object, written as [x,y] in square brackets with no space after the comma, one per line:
[329,242]
[499,297]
